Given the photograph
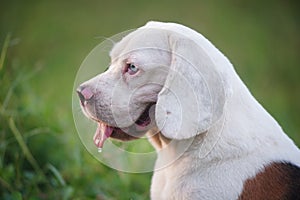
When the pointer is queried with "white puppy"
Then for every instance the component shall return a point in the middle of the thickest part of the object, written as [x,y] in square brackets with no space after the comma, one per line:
[213,139]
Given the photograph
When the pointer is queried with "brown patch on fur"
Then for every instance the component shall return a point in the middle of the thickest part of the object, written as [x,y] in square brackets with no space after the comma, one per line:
[278,181]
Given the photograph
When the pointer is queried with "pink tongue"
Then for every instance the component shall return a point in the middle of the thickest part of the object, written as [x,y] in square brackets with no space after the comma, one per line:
[102,133]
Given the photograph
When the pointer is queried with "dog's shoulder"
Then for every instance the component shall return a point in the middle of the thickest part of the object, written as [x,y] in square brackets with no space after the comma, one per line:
[278,180]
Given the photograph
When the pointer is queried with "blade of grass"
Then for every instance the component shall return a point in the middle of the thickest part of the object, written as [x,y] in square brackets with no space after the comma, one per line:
[56,174]
[7,98]
[25,148]
[4,50]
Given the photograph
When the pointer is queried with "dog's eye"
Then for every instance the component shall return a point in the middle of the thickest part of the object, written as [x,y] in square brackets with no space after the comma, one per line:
[131,69]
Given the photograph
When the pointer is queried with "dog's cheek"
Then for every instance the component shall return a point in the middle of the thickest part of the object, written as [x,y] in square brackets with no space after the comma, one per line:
[147,93]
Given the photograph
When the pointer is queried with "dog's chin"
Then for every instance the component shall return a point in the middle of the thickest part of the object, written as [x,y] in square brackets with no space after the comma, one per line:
[135,131]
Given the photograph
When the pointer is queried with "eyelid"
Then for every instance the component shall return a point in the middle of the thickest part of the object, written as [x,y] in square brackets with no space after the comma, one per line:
[125,68]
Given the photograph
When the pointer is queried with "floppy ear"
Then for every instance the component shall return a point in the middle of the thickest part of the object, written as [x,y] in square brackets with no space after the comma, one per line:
[193,97]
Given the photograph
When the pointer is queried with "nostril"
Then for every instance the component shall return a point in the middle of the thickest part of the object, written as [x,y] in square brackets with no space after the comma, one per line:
[84,93]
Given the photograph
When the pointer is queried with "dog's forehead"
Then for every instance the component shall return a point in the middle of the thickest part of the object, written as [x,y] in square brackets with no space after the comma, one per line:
[146,38]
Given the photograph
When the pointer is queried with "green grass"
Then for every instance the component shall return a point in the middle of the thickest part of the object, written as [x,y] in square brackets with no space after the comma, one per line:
[43,44]
[39,161]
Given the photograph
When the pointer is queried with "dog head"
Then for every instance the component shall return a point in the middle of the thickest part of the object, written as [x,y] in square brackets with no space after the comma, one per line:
[160,75]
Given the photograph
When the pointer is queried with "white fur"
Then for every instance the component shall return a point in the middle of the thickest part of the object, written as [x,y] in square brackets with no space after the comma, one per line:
[221,135]
[249,139]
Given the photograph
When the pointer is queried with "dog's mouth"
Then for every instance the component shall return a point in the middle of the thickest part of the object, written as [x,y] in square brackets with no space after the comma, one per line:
[135,131]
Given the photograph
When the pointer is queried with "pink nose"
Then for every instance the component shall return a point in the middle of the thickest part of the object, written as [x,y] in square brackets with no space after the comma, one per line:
[84,93]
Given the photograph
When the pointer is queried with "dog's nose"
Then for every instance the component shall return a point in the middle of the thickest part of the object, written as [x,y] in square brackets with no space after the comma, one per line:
[84,93]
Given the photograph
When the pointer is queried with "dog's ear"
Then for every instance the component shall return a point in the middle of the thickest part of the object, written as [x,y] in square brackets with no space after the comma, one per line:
[193,97]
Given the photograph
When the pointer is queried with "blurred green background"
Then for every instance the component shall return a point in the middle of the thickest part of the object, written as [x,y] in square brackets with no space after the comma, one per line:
[43,44]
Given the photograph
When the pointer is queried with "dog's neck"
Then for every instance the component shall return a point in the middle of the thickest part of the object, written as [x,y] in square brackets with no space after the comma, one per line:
[157,139]
[170,150]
